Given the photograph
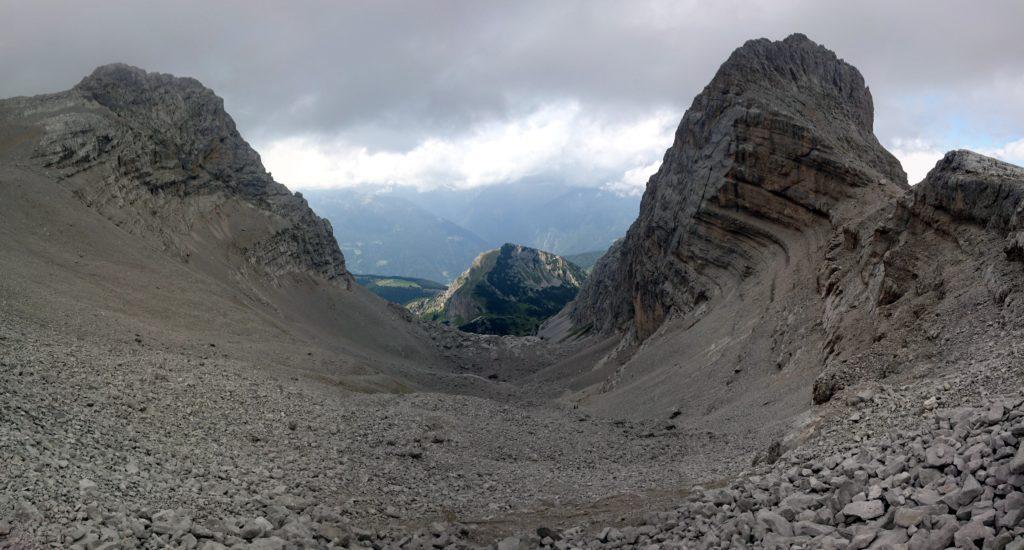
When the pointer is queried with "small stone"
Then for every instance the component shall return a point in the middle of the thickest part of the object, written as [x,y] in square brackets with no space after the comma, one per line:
[775,522]
[939,455]
[863,535]
[995,413]
[271,543]
[169,522]
[811,529]
[509,543]
[1017,464]
[865,510]
[255,528]
[973,531]
[87,487]
[907,517]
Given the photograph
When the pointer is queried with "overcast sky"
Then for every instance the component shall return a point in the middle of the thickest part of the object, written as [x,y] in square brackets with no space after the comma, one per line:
[475,92]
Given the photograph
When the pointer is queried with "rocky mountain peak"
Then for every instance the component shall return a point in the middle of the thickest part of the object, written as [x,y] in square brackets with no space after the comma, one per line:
[973,187]
[797,67]
[509,290]
[181,118]
[158,155]
[777,145]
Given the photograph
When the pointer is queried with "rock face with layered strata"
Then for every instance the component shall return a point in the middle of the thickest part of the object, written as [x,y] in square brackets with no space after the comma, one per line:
[934,282]
[777,146]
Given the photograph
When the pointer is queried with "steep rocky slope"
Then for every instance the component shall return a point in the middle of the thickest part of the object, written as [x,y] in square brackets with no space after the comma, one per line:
[779,257]
[160,216]
[159,154]
[776,149]
[510,290]
[710,301]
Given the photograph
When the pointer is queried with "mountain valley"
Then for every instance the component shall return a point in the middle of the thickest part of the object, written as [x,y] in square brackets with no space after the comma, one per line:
[435,234]
[787,346]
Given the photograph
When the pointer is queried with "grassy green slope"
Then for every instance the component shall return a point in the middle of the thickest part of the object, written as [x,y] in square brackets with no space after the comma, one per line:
[401,290]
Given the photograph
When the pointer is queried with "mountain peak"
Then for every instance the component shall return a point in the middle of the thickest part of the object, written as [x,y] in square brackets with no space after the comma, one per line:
[509,290]
[797,67]
[121,87]
[777,144]
[970,186]
[158,154]
[967,161]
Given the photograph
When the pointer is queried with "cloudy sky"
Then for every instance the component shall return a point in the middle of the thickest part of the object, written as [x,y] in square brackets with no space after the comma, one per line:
[474,92]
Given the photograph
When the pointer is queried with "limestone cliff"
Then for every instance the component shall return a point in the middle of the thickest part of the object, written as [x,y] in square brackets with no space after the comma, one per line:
[778,145]
[161,157]
[934,284]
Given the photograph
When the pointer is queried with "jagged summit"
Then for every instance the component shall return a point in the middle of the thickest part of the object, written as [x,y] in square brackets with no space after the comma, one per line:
[797,61]
[185,120]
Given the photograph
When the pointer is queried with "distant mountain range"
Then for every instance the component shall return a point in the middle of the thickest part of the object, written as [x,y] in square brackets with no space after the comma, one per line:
[436,234]
[389,235]
[585,260]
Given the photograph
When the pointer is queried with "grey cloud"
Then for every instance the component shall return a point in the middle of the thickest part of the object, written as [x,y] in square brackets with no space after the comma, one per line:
[392,73]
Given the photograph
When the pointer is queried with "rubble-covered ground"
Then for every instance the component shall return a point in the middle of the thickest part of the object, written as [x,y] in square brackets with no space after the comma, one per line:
[129,444]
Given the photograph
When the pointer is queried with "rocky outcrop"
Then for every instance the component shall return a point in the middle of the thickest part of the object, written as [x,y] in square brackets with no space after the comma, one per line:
[510,290]
[160,156]
[777,147]
[929,283]
[972,188]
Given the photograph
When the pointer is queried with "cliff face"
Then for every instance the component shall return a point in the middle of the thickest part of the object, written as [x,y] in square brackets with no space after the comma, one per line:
[934,284]
[776,147]
[160,156]
[510,290]
[779,256]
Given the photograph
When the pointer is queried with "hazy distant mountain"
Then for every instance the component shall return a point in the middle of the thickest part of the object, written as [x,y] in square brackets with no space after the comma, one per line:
[586,260]
[388,235]
[436,234]
[560,218]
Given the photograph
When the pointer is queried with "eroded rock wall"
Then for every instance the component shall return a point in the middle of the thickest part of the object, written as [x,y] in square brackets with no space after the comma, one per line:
[934,282]
[778,145]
